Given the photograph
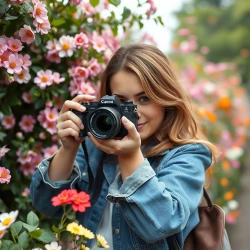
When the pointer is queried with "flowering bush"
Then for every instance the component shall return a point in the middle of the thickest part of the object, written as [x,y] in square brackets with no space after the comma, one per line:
[222,105]
[50,51]
[26,234]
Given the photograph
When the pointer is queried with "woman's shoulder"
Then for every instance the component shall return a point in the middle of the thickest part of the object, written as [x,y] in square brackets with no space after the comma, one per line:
[189,152]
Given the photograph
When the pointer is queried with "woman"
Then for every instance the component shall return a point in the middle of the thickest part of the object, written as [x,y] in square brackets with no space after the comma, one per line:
[153,177]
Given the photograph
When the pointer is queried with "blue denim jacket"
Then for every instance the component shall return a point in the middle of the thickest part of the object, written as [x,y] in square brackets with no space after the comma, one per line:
[149,205]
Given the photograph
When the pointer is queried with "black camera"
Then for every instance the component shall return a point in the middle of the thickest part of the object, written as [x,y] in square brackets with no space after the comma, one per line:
[103,118]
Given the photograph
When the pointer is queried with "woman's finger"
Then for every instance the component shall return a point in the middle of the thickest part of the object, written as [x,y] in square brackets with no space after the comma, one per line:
[131,128]
[70,116]
[76,103]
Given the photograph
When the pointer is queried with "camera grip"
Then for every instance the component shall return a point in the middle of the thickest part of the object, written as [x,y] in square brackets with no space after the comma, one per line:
[82,116]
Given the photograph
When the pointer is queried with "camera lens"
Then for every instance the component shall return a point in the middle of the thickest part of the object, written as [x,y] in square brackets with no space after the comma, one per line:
[105,122]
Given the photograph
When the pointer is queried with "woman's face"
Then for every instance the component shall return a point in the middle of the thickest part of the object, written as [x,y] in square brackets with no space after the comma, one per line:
[127,86]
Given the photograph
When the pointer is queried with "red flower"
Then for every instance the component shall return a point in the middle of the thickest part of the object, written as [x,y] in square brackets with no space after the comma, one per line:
[81,202]
[65,197]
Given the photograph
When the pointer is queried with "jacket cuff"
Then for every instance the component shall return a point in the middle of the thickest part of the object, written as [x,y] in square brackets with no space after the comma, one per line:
[43,168]
[119,190]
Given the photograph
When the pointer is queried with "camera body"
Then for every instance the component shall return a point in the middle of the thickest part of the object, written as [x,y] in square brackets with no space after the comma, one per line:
[103,118]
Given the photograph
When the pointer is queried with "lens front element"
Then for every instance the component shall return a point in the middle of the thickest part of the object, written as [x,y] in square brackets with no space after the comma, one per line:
[105,122]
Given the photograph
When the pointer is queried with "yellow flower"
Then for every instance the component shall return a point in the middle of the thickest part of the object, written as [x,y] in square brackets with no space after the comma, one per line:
[88,234]
[74,228]
[84,247]
[101,242]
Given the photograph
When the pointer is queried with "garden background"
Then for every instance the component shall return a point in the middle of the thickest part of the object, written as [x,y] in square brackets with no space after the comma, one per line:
[51,51]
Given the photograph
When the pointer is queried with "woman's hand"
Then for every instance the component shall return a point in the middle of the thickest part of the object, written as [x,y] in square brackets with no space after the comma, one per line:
[124,146]
[69,124]
[127,149]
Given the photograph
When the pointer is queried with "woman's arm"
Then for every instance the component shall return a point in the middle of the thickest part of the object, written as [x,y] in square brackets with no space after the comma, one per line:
[156,206]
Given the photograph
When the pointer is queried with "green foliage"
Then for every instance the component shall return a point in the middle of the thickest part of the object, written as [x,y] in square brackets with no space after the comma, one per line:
[224,29]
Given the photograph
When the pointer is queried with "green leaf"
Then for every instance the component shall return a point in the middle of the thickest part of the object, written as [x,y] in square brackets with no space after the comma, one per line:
[5,109]
[126,13]
[9,17]
[29,227]
[141,24]
[58,22]
[115,2]
[32,219]
[43,235]
[13,101]
[2,94]
[38,40]
[160,20]
[36,69]
[56,229]
[39,103]
[23,239]
[94,2]
[2,135]
[16,228]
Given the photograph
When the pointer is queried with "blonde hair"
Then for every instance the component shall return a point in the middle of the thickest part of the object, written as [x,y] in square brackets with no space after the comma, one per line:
[161,84]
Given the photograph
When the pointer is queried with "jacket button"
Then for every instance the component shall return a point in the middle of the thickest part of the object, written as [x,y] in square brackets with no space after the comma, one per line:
[117,231]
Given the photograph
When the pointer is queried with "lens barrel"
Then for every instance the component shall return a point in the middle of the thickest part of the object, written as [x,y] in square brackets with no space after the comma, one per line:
[105,122]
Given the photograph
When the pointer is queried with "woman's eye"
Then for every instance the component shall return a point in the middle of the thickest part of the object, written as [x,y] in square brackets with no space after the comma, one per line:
[144,99]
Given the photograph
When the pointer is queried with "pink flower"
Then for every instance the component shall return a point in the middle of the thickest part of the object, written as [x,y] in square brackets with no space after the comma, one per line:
[26,158]
[45,123]
[13,65]
[183,32]
[23,77]
[27,97]
[58,102]
[27,123]
[44,78]
[15,45]
[51,45]
[66,46]
[4,175]
[81,40]
[26,192]
[3,151]
[73,87]
[94,67]
[57,78]
[98,42]
[53,57]
[43,27]
[3,45]
[86,88]
[40,12]
[88,9]
[50,151]
[2,233]
[26,34]
[26,62]
[42,136]
[81,73]
[75,2]
[4,57]
[8,122]
[27,168]
[51,114]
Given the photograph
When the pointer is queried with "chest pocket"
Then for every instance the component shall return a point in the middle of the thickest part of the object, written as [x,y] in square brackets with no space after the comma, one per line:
[139,244]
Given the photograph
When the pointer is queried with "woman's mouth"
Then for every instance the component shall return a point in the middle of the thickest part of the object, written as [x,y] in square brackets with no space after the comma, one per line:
[141,125]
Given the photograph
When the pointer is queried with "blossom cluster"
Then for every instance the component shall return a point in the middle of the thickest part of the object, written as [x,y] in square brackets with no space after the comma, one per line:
[79,202]
[224,114]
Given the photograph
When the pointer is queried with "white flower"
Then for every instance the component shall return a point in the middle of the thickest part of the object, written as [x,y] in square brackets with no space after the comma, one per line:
[234,153]
[53,246]
[233,204]
[66,46]
[6,219]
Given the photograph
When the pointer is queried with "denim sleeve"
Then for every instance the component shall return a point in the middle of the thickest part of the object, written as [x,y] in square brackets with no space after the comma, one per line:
[42,189]
[156,205]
